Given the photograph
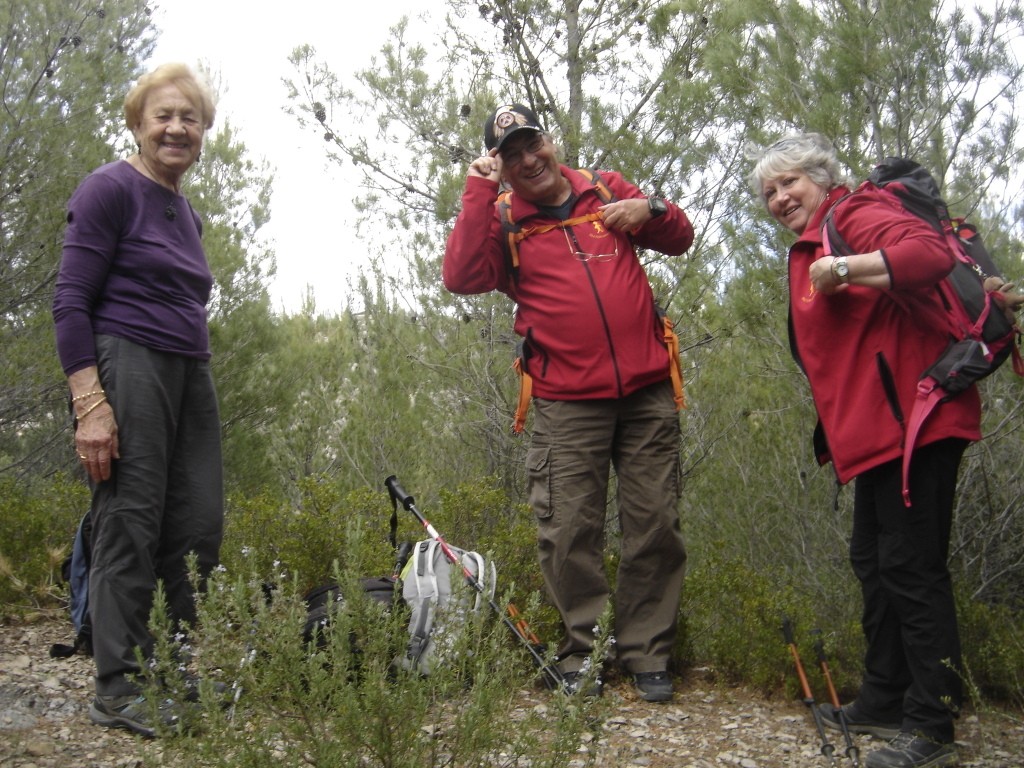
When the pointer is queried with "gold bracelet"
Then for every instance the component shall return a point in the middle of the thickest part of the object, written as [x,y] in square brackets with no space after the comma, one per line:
[76,398]
[92,408]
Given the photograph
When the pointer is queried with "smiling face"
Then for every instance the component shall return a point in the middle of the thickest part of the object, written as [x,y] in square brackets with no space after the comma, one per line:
[793,198]
[169,134]
[530,166]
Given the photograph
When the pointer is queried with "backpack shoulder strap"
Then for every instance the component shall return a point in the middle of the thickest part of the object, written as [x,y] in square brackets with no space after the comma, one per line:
[513,233]
[603,191]
[509,230]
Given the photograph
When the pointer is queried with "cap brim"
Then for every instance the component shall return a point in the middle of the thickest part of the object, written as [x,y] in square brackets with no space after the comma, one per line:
[510,133]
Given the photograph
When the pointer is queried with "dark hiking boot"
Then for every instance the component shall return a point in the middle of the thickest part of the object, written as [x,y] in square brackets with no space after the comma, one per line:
[577,684]
[912,750]
[858,723]
[133,713]
[653,686]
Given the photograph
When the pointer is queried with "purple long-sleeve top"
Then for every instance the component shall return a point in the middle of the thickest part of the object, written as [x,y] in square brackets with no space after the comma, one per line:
[133,267]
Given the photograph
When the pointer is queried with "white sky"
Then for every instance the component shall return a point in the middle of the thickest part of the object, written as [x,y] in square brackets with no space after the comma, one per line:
[248,43]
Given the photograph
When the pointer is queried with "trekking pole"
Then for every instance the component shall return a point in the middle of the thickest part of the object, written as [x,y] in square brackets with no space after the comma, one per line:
[552,676]
[827,749]
[851,749]
[523,627]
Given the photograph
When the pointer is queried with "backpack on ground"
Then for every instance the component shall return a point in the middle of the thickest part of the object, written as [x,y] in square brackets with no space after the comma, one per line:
[439,599]
[75,573]
[323,601]
[513,234]
[982,336]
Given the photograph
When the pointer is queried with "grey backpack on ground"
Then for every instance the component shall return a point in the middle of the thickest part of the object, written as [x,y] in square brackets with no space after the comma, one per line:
[429,583]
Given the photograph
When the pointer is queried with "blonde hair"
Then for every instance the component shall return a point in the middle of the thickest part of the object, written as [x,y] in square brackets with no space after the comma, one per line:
[194,89]
[811,153]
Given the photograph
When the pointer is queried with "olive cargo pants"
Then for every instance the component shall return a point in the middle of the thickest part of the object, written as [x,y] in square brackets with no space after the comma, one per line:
[575,444]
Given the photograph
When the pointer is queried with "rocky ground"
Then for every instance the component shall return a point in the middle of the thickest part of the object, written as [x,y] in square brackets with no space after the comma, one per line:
[43,721]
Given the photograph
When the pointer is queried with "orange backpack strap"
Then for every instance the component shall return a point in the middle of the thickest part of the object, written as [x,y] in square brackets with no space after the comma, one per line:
[514,234]
[510,245]
[603,191]
[675,368]
[525,394]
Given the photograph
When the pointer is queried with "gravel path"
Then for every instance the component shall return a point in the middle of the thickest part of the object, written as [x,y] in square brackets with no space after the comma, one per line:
[43,721]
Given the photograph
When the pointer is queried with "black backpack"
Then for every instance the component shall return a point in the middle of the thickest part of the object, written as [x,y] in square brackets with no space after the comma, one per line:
[75,573]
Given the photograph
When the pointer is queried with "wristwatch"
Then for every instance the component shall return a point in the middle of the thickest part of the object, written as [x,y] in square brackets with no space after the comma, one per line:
[657,206]
[841,269]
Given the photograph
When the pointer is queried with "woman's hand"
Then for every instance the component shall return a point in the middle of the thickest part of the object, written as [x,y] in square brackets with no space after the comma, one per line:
[96,428]
[823,277]
[868,270]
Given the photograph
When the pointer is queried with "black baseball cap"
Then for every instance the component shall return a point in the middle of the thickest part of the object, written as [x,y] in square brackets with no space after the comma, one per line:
[505,121]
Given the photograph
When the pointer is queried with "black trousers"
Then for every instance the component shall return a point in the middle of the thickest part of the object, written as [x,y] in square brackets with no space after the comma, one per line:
[164,499]
[912,667]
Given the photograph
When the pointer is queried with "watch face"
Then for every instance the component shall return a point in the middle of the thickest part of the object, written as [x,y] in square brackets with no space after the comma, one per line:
[842,269]
[657,206]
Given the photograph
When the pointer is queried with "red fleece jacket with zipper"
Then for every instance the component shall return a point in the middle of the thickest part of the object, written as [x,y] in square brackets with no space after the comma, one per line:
[850,342]
[589,321]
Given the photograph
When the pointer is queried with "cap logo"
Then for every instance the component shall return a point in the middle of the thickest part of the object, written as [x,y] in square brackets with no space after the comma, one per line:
[505,120]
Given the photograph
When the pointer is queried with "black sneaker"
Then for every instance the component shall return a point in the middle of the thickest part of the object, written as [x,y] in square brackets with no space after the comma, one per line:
[577,684]
[132,712]
[858,723]
[911,750]
[653,686]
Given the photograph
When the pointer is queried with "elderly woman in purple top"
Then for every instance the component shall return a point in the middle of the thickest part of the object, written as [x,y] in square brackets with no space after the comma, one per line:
[130,314]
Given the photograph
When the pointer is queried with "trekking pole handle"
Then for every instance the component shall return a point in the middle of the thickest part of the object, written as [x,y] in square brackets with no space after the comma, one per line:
[398,493]
[787,633]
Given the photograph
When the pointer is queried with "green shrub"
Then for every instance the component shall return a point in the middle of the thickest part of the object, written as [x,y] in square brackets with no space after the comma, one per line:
[37,527]
[265,534]
[342,704]
[993,649]
[733,618]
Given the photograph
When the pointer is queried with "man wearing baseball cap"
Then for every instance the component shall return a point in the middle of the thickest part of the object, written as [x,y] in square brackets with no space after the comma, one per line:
[603,396]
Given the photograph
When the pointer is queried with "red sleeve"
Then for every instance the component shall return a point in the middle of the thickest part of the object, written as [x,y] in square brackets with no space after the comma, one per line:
[474,261]
[917,255]
[671,234]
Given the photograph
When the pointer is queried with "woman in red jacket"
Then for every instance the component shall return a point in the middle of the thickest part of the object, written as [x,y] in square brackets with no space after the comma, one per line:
[864,328]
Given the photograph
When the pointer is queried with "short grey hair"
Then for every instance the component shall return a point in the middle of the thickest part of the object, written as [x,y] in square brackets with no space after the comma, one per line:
[811,153]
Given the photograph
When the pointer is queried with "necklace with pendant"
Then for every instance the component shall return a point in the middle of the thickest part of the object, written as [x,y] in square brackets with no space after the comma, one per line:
[170,212]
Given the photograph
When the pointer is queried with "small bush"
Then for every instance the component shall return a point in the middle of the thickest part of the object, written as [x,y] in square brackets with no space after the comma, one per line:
[37,527]
[993,649]
[264,534]
[341,703]
[733,619]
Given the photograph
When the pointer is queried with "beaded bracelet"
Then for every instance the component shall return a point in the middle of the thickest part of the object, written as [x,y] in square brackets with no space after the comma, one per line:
[76,398]
[92,408]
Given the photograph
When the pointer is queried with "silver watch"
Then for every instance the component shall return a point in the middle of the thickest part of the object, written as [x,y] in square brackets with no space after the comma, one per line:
[841,269]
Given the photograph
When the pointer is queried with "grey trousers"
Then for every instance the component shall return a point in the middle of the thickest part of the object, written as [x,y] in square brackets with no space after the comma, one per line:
[164,499]
[575,443]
